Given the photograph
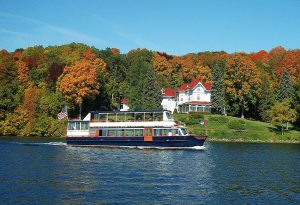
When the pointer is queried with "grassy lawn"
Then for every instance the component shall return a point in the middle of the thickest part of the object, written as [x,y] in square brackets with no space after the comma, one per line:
[228,128]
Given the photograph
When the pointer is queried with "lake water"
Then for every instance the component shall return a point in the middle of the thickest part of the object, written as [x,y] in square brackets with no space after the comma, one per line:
[49,172]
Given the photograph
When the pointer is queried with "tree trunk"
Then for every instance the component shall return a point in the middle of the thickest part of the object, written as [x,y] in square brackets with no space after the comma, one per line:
[287,126]
[80,110]
[281,129]
[242,106]
[242,112]
[224,111]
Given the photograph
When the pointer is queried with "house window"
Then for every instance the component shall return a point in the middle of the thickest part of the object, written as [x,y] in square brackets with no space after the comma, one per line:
[198,96]
[181,99]
[198,89]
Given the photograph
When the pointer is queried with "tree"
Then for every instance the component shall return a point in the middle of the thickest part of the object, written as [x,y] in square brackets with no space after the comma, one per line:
[266,99]
[142,91]
[286,90]
[8,70]
[151,91]
[281,113]
[79,81]
[291,63]
[116,68]
[241,80]
[218,90]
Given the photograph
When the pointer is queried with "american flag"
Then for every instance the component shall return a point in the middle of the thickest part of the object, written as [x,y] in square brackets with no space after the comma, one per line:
[63,114]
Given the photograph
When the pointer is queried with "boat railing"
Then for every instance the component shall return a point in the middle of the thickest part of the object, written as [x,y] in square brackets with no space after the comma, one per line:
[131,117]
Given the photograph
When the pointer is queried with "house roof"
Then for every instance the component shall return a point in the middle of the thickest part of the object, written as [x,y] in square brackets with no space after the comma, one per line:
[193,84]
[124,101]
[168,92]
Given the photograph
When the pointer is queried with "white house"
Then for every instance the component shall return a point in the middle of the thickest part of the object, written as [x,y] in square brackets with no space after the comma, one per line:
[168,96]
[191,97]
[194,97]
[123,106]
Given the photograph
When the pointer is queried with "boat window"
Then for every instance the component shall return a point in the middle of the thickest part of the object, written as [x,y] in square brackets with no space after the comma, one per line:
[169,115]
[184,131]
[157,132]
[129,132]
[102,133]
[71,126]
[78,125]
[158,116]
[138,132]
[176,132]
[167,132]
[119,132]
[111,133]
[148,132]
[84,125]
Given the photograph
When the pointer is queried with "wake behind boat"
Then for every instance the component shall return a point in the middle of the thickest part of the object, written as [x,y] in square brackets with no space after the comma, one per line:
[131,129]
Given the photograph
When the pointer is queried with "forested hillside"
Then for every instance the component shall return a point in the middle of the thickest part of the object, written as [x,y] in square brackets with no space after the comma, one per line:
[37,82]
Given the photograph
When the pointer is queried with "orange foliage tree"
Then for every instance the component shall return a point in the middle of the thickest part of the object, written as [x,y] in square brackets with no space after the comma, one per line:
[291,63]
[23,73]
[79,81]
[241,79]
[276,55]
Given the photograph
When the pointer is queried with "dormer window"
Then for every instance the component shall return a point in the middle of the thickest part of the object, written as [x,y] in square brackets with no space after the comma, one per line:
[162,91]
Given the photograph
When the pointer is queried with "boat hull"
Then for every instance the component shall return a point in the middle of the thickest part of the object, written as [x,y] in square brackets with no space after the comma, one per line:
[163,141]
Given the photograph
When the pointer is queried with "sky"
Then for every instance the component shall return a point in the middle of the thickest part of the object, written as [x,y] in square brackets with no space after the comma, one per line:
[171,26]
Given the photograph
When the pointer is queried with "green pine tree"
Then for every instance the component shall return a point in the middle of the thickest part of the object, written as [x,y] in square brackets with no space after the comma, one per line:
[151,91]
[218,90]
[286,90]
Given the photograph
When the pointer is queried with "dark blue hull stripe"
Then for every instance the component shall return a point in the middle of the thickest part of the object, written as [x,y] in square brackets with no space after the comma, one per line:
[178,141]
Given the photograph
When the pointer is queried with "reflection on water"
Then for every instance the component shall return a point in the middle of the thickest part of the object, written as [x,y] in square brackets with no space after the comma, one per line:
[51,172]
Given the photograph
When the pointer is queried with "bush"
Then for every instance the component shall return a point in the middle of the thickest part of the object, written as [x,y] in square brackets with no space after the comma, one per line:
[219,119]
[197,115]
[237,125]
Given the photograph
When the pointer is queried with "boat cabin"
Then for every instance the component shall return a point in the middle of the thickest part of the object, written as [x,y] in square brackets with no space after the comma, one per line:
[125,124]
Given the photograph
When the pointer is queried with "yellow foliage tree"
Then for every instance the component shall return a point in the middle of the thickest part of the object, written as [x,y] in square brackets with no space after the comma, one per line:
[241,79]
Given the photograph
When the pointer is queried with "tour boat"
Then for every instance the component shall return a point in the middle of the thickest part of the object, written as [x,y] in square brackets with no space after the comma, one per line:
[130,129]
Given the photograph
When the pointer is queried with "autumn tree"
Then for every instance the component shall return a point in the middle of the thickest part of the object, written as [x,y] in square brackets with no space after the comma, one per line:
[276,55]
[79,81]
[8,70]
[241,81]
[281,114]
[291,63]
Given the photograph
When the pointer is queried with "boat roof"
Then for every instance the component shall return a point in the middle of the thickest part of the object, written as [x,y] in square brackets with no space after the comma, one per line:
[135,111]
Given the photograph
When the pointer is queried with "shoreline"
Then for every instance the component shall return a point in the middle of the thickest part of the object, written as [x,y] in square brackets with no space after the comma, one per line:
[251,141]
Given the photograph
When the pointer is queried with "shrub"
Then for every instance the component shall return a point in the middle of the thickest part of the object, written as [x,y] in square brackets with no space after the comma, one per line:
[197,115]
[237,125]
[219,119]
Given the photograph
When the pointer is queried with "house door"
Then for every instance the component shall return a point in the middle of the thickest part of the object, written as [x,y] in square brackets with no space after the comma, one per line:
[148,135]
